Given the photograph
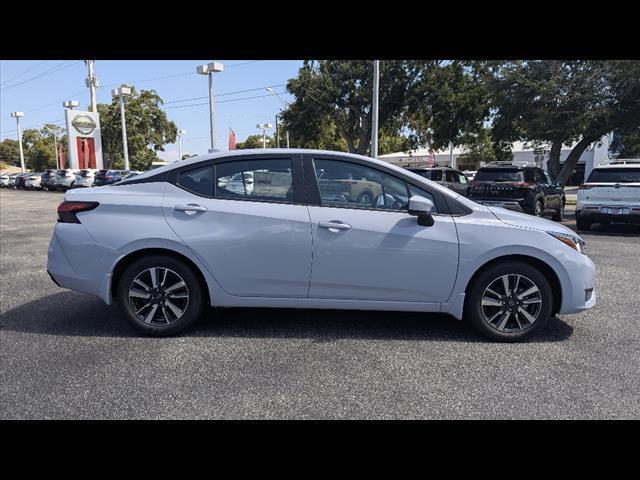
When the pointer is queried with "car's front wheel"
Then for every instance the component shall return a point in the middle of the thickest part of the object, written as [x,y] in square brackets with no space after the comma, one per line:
[509,301]
[160,296]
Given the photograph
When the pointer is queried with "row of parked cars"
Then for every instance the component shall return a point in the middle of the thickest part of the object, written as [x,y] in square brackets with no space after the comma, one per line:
[611,193]
[64,179]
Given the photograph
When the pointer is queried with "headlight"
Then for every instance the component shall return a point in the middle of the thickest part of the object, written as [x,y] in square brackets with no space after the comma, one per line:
[571,241]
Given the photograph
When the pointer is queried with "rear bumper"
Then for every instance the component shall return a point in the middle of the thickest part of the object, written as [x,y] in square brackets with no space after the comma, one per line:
[595,214]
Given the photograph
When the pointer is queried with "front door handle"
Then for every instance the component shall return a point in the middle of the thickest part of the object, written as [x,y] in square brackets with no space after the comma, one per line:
[334,225]
[190,208]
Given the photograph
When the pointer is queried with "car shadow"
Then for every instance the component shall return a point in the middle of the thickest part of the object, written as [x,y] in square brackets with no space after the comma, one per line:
[73,314]
[617,229]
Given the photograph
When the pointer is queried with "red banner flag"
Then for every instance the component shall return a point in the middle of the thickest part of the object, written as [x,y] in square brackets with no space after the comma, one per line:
[61,157]
[232,139]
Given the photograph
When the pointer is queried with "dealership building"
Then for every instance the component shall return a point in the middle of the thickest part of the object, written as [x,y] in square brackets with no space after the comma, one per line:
[596,154]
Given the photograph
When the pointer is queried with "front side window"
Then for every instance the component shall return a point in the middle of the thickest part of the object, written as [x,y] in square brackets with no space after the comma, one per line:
[345,184]
[259,180]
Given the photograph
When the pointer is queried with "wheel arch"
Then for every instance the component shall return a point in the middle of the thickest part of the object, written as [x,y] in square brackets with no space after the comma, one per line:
[131,257]
[548,272]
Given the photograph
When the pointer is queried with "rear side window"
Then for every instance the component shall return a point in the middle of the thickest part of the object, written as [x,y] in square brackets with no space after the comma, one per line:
[197,180]
[614,175]
[436,175]
[499,175]
[269,180]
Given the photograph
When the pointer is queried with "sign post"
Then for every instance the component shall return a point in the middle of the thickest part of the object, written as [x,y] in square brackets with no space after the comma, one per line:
[84,140]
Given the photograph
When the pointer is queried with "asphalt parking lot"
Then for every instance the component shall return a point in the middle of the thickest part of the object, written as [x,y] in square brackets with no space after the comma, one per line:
[66,355]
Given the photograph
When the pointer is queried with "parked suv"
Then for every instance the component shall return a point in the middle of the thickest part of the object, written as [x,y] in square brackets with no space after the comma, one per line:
[65,179]
[611,194]
[447,176]
[85,177]
[519,188]
[48,179]
[107,177]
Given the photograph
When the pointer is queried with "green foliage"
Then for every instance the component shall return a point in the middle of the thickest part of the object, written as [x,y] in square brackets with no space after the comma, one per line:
[3,165]
[9,152]
[148,130]
[626,142]
[332,107]
[479,148]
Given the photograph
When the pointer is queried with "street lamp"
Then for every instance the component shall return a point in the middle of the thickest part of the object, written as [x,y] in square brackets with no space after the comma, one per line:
[285,104]
[180,133]
[121,92]
[264,127]
[209,70]
[374,116]
[17,116]
[71,104]
[55,142]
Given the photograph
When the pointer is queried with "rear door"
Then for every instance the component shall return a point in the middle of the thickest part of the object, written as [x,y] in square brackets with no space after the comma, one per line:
[253,236]
[378,251]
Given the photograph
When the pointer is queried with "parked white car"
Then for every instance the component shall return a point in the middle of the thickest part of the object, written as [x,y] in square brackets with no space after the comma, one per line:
[11,182]
[610,194]
[32,182]
[4,180]
[85,177]
[65,179]
[168,242]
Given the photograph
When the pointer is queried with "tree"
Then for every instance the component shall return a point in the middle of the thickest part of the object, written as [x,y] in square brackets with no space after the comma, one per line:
[333,103]
[479,148]
[255,141]
[448,102]
[626,142]
[9,152]
[148,130]
[563,102]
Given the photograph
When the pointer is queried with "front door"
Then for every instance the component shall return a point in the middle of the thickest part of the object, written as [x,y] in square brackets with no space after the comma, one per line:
[241,218]
[377,251]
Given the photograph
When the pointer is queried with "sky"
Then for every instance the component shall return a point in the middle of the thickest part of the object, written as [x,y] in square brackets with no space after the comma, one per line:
[38,88]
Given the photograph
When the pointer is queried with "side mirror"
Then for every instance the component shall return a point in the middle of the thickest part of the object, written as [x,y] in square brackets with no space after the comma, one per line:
[422,208]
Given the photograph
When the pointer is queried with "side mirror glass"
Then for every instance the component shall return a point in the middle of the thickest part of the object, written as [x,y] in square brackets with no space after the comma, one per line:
[422,208]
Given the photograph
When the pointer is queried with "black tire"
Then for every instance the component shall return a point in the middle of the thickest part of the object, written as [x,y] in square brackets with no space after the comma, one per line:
[473,310]
[538,208]
[193,307]
[583,224]
[558,214]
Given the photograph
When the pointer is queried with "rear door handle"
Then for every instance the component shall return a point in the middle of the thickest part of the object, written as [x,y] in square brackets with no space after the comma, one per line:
[334,225]
[190,208]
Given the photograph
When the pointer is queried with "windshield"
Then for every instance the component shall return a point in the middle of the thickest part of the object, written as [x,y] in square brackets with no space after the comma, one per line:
[499,175]
[614,175]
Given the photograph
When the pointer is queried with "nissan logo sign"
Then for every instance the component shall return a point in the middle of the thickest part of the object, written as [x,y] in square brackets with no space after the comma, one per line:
[84,124]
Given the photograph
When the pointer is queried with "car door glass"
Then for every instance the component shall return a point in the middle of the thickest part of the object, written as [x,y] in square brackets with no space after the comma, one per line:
[197,180]
[547,178]
[257,180]
[462,178]
[452,177]
[345,184]
[436,175]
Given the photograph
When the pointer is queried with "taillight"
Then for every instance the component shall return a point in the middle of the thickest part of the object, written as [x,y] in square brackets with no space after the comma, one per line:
[67,210]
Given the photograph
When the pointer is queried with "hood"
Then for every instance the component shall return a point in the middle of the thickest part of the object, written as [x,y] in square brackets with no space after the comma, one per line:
[524,220]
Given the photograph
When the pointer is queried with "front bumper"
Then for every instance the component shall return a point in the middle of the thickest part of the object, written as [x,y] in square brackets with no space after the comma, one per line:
[578,290]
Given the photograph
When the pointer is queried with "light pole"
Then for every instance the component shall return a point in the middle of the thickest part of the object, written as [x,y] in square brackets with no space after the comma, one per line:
[92,82]
[180,133]
[209,70]
[374,109]
[264,127]
[17,116]
[71,104]
[285,104]
[55,143]
[121,92]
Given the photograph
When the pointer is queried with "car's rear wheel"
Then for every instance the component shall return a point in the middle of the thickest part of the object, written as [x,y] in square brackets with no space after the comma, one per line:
[583,224]
[160,296]
[559,214]
[509,302]
[538,208]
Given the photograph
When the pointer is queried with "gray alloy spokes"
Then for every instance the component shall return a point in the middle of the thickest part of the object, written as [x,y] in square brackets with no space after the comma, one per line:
[517,308]
[162,303]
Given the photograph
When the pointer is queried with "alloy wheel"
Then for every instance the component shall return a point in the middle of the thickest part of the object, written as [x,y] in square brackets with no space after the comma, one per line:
[511,303]
[158,296]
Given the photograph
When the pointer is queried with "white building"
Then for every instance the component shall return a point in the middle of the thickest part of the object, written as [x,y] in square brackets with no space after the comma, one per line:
[522,154]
